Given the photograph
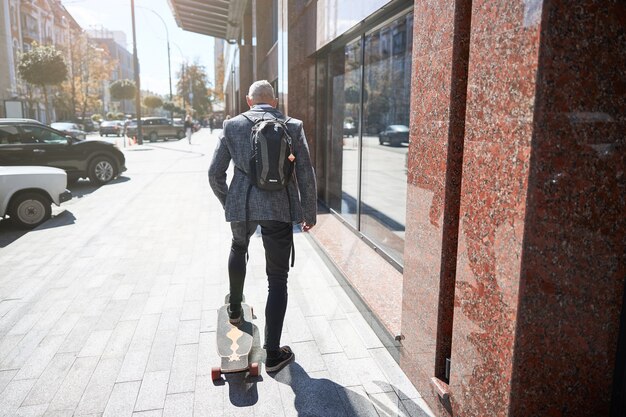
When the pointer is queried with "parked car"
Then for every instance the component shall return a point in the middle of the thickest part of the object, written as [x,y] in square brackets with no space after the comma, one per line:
[27,193]
[69,129]
[28,142]
[349,128]
[394,134]
[154,128]
[111,127]
[88,124]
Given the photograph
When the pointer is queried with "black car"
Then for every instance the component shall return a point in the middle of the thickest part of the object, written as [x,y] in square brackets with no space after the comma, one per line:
[394,134]
[111,127]
[28,142]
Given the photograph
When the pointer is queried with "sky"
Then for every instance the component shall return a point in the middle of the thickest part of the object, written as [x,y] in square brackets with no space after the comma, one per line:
[151,37]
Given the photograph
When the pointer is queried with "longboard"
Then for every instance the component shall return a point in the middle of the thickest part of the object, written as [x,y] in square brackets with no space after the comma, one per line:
[234,344]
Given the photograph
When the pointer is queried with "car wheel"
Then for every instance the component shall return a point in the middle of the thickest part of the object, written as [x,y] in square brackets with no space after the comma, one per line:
[101,170]
[101,135]
[395,142]
[153,136]
[180,134]
[30,209]
[380,140]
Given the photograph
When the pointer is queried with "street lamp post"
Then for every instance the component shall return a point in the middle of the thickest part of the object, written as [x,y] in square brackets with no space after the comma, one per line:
[137,79]
[169,62]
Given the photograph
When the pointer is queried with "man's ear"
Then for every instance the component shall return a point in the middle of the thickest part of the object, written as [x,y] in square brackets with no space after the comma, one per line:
[249,101]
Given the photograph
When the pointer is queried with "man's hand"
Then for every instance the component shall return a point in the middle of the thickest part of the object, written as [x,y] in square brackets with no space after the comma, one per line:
[306,227]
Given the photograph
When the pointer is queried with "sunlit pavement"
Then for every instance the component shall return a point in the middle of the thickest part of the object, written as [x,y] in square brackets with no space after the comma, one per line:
[110,308]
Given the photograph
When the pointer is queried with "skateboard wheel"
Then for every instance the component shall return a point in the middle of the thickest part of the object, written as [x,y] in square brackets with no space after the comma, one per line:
[254,369]
[216,373]
[252,311]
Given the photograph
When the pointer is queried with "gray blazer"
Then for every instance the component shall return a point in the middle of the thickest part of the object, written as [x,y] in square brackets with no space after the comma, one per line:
[234,144]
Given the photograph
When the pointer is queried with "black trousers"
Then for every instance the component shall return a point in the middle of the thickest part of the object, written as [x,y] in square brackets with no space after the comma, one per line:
[277,241]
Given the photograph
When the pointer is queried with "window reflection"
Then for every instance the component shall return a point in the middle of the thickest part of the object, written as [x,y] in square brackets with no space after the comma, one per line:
[345,79]
[368,117]
[387,78]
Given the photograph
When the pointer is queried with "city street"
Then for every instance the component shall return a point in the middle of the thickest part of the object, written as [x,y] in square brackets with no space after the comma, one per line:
[110,309]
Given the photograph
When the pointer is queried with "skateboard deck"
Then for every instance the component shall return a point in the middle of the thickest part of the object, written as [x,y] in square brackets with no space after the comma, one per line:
[234,343]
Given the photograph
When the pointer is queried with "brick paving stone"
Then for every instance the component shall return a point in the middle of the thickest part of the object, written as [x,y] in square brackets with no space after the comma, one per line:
[208,401]
[323,335]
[120,339]
[95,343]
[153,390]
[183,375]
[162,351]
[150,413]
[356,402]
[122,400]
[13,395]
[349,339]
[188,332]
[40,358]
[71,390]
[144,332]
[178,405]
[6,377]
[59,413]
[97,392]
[49,382]
[31,411]
[134,366]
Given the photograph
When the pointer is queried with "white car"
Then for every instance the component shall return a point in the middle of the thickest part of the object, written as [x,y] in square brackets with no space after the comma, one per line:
[27,193]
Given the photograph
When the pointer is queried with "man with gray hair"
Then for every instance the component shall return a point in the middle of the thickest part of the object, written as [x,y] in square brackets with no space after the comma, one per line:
[247,207]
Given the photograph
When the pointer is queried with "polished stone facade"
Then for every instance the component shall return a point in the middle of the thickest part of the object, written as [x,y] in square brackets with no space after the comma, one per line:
[539,272]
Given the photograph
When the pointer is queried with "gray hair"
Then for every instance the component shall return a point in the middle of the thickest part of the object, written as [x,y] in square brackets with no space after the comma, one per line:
[261,90]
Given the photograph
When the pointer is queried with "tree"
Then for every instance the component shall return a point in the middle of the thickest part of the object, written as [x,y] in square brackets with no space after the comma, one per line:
[192,85]
[123,89]
[152,102]
[43,66]
[171,107]
[93,66]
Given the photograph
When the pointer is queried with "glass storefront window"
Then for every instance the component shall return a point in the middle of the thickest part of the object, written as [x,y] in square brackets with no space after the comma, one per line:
[344,114]
[363,122]
[387,80]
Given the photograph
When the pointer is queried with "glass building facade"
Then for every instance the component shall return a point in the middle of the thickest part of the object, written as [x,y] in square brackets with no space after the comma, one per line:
[362,108]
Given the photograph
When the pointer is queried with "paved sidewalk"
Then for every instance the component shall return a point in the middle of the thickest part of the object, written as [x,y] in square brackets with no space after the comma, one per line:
[109,309]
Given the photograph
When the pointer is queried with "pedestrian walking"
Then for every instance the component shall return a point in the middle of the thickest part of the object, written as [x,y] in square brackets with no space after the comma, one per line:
[247,205]
[188,128]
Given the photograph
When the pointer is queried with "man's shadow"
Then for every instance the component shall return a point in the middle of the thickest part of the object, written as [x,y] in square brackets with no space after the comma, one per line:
[325,398]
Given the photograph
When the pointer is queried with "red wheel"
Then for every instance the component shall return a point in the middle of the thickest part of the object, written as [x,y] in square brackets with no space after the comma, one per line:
[254,369]
[216,373]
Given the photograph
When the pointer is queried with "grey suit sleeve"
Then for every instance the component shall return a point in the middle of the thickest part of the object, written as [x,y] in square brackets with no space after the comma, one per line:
[217,170]
[305,175]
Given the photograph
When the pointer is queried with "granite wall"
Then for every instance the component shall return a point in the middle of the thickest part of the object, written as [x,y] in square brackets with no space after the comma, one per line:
[525,295]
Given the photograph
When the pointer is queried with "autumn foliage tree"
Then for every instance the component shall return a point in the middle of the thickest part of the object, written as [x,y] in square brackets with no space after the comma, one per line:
[192,85]
[43,66]
[92,66]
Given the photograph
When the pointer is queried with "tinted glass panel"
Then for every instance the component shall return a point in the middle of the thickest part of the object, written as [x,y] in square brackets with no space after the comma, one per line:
[386,134]
[9,135]
[36,134]
[345,98]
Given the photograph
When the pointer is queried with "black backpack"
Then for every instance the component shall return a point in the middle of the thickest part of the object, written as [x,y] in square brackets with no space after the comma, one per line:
[272,162]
